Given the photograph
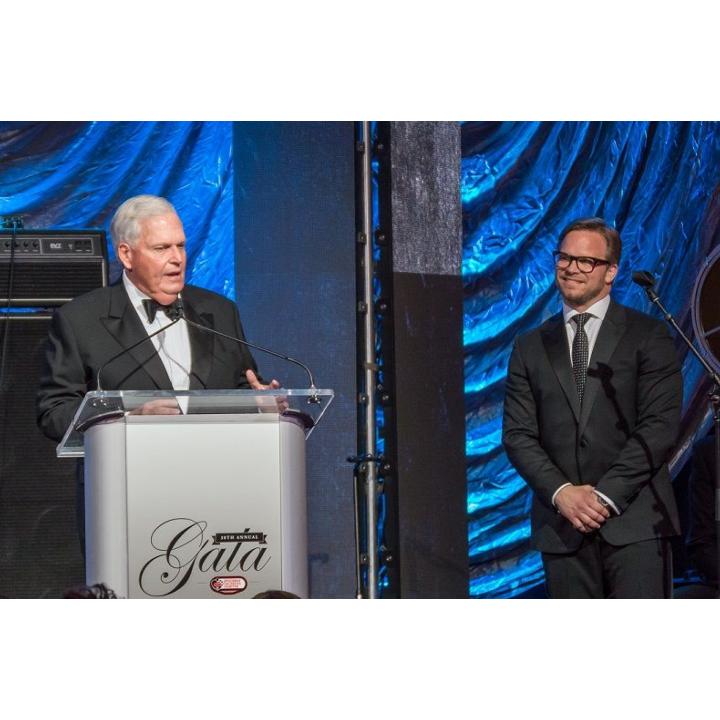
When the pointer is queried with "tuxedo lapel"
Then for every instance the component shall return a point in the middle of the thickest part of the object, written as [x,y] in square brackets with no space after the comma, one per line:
[555,340]
[202,346]
[123,323]
[599,372]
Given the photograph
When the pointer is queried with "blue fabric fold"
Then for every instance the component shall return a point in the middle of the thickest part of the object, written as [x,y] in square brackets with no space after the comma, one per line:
[521,183]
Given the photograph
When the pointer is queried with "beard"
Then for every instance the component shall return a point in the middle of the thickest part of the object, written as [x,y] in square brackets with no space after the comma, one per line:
[580,292]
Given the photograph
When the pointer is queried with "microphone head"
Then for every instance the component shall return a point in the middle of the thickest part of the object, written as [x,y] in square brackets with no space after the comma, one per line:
[175,310]
[643,278]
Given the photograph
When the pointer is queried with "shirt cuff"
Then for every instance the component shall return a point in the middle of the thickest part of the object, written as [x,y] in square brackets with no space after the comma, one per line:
[612,505]
[564,485]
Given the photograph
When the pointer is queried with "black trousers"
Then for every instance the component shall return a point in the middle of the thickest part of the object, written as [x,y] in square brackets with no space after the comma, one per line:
[600,570]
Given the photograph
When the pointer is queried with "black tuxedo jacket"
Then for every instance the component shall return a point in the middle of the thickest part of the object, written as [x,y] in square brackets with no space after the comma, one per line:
[618,441]
[87,332]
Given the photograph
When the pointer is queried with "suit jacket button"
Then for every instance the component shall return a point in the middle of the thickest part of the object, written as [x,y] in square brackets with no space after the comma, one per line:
[583,443]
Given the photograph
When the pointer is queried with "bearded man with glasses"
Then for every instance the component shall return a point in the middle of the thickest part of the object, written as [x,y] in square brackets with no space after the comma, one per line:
[592,410]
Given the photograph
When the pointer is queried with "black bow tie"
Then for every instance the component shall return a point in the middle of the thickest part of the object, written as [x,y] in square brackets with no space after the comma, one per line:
[152,306]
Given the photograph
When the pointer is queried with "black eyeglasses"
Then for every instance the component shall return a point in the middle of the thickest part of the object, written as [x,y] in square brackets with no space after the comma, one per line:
[584,264]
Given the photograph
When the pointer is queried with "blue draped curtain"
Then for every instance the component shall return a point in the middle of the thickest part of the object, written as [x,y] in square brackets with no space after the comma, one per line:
[76,174]
[521,183]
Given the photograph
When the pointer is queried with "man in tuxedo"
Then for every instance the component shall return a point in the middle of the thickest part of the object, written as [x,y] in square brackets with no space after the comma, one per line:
[87,333]
[592,409]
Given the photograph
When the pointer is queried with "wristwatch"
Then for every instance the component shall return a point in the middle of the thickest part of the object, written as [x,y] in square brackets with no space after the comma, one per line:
[603,502]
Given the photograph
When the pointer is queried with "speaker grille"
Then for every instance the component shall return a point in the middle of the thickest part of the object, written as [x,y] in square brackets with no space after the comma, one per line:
[51,267]
[40,552]
[50,283]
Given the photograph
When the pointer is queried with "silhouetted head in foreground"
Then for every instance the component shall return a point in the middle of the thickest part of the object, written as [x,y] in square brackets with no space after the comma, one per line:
[90,592]
[275,595]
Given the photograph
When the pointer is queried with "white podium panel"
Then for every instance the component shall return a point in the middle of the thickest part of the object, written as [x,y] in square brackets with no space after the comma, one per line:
[181,541]
[208,503]
[224,517]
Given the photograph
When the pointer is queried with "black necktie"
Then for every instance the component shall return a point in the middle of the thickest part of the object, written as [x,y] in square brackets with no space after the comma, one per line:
[152,307]
[580,353]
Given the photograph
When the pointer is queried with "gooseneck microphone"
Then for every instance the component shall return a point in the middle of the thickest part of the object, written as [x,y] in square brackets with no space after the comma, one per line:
[646,280]
[172,312]
[181,313]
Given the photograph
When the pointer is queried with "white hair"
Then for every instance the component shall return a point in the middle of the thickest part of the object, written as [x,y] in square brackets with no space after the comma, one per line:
[125,225]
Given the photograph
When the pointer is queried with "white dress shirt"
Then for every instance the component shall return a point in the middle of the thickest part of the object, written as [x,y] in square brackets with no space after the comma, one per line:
[597,312]
[173,345]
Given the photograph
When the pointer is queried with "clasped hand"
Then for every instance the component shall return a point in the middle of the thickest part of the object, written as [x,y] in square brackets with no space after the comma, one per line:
[580,505]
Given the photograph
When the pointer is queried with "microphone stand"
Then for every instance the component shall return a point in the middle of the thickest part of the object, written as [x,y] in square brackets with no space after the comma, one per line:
[116,412]
[175,319]
[179,308]
[646,281]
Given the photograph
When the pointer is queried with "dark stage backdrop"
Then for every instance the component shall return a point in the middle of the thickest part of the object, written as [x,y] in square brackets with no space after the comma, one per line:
[295,269]
[296,232]
[521,183]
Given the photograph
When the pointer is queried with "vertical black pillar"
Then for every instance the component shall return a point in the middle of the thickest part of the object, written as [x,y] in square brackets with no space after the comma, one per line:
[419,180]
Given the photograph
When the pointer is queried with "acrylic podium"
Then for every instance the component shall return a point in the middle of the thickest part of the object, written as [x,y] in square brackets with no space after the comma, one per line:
[206,503]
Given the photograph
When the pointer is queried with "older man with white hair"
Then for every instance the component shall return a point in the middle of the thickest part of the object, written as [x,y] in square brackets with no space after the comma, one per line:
[92,332]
